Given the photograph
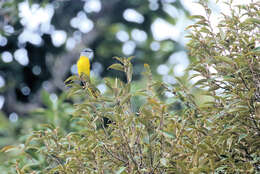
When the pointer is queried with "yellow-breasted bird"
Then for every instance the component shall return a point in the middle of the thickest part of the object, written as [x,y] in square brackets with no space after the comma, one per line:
[83,63]
[83,66]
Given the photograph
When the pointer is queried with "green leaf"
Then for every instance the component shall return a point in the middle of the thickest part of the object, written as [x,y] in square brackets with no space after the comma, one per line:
[126,99]
[29,167]
[121,60]
[199,82]
[120,170]
[202,22]
[147,68]
[74,90]
[48,126]
[224,59]
[168,134]
[71,78]
[117,66]
[197,17]
[205,30]
[30,138]
[257,49]
[108,83]
[241,137]
[252,21]
[46,99]
[146,112]
[8,148]
[130,58]
[32,151]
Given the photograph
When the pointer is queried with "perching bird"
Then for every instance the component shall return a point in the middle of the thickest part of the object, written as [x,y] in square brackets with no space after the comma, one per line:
[83,66]
[83,63]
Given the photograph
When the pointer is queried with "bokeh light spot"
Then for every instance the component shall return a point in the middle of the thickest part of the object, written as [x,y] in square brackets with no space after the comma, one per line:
[169,1]
[132,15]
[2,82]
[139,35]
[155,46]
[26,90]
[171,10]
[32,16]
[97,68]
[7,57]
[163,30]
[82,22]
[58,37]
[71,43]
[21,56]
[92,6]
[128,47]
[122,36]
[77,35]
[36,70]
[169,79]
[74,69]
[30,36]
[179,70]
[3,41]
[153,6]
[8,29]
[46,85]
[36,20]
[2,101]
[163,69]
[86,26]
[13,117]
[179,58]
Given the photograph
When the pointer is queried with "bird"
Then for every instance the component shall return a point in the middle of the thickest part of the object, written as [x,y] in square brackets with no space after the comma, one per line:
[83,66]
[83,63]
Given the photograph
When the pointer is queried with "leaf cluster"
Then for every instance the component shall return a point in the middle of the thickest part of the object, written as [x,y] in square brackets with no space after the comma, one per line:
[220,135]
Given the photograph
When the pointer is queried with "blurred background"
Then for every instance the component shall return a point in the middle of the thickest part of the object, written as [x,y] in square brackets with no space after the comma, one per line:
[40,42]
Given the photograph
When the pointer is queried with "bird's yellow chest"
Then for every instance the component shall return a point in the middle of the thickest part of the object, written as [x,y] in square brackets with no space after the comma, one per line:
[83,65]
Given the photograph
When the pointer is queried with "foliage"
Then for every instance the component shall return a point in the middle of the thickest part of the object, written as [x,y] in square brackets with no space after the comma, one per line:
[232,119]
[56,111]
[218,135]
[49,64]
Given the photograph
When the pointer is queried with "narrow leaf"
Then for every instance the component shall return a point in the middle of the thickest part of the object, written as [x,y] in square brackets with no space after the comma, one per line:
[121,169]
[116,66]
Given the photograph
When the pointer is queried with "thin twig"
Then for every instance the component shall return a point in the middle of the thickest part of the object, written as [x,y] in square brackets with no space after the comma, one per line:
[113,155]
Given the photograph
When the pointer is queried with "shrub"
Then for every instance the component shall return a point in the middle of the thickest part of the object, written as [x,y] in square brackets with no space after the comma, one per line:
[218,135]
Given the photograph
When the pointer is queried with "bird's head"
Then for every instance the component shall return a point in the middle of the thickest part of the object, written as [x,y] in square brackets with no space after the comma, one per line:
[87,52]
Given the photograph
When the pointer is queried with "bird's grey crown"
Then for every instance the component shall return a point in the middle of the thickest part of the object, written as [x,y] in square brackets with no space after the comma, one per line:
[87,52]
